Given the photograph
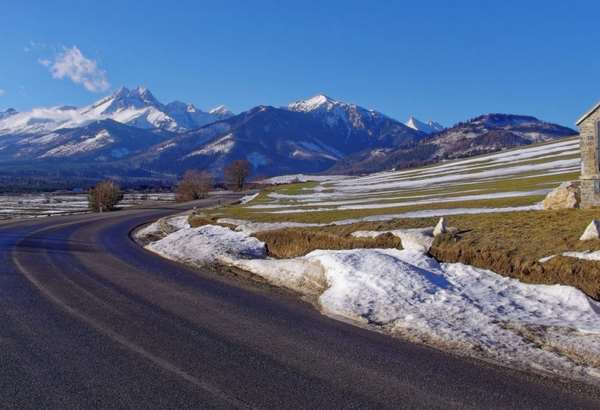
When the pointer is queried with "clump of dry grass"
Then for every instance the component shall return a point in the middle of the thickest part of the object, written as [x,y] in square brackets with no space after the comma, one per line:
[289,243]
[200,220]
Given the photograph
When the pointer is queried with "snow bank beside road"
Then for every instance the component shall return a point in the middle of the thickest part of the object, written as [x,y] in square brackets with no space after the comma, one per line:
[554,329]
[472,311]
[162,228]
[208,244]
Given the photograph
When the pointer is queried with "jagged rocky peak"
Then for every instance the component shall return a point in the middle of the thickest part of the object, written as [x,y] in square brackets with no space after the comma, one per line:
[179,106]
[428,127]
[138,97]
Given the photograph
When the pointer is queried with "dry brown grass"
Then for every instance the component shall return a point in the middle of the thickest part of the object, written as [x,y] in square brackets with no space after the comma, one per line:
[511,244]
[200,220]
[289,243]
[507,243]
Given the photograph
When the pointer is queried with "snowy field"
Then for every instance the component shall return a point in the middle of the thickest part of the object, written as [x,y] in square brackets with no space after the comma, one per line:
[517,180]
[470,311]
[47,204]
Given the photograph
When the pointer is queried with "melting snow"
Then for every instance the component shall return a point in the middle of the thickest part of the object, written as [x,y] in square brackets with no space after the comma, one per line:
[208,244]
[553,329]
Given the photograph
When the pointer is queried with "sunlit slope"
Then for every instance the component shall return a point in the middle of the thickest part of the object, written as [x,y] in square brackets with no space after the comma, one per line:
[519,178]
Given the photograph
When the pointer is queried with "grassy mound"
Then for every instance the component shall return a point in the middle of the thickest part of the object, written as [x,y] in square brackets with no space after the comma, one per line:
[289,243]
[512,244]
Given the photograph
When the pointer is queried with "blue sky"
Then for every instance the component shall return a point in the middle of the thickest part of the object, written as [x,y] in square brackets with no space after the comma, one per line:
[432,59]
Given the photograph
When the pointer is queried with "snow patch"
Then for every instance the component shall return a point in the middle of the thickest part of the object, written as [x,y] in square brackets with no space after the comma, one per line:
[286,179]
[418,239]
[208,244]
[221,146]
[469,310]
[248,198]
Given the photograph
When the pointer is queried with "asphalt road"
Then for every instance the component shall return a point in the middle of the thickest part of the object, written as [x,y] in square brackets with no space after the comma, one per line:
[88,319]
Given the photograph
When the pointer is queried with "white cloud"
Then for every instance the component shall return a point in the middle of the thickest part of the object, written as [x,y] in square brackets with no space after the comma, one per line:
[72,64]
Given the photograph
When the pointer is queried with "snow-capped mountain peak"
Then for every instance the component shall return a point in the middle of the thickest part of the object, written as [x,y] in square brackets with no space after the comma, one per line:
[136,107]
[124,98]
[429,127]
[319,101]
[220,110]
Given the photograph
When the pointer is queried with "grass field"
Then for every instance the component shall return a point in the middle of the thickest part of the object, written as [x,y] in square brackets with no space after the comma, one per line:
[509,180]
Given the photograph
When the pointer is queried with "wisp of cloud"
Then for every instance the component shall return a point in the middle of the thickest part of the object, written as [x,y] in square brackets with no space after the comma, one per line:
[72,64]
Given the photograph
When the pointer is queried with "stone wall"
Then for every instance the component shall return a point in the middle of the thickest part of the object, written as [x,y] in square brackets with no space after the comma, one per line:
[590,193]
[589,146]
[590,163]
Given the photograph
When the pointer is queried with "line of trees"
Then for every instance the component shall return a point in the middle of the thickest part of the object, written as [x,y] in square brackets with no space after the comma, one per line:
[196,184]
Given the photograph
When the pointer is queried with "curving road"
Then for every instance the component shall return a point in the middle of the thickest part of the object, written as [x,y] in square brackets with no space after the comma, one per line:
[88,319]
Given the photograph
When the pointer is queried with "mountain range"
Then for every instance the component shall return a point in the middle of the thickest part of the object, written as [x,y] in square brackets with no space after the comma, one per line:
[136,107]
[131,133]
[484,134]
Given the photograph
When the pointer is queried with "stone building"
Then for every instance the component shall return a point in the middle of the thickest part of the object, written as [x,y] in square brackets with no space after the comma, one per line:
[589,131]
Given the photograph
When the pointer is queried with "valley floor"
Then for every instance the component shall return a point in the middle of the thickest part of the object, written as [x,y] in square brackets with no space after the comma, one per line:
[26,206]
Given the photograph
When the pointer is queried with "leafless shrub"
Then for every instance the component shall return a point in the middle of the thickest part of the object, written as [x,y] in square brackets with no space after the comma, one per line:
[104,196]
[194,185]
[236,174]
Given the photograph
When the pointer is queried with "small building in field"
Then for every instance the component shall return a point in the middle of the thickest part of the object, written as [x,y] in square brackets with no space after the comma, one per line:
[589,132]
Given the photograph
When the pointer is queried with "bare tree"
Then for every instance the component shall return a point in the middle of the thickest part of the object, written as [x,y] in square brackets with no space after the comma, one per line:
[104,196]
[194,185]
[236,174]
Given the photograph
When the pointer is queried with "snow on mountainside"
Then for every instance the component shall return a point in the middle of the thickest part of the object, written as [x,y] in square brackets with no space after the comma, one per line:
[99,141]
[221,111]
[136,107]
[484,134]
[135,130]
[336,113]
[306,136]
[430,127]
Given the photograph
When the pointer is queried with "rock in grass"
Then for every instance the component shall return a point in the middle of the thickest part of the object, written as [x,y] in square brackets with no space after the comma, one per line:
[591,232]
[565,196]
[441,227]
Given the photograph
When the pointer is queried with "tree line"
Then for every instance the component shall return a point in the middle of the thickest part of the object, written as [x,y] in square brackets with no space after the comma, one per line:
[195,184]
